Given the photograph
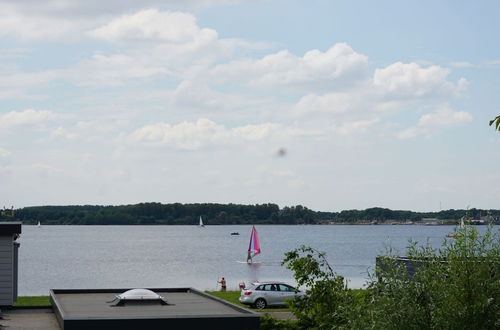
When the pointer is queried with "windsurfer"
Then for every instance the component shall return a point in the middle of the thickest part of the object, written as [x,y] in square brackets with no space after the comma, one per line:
[253,246]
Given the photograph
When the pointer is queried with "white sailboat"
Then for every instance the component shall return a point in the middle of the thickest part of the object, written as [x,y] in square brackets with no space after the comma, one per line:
[201,223]
[461,228]
[38,225]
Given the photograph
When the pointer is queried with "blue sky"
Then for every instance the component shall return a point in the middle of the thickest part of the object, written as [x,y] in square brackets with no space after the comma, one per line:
[329,104]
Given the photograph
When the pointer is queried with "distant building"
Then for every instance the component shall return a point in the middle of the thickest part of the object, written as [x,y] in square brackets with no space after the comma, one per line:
[8,212]
[430,221]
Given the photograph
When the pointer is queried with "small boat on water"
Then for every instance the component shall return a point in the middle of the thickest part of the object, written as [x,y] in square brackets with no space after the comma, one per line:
[201,223]
[460,228]
[235,233]
[253,246]
[38,225]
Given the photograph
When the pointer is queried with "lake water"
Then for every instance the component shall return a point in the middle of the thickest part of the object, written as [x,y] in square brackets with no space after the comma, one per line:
[188,256]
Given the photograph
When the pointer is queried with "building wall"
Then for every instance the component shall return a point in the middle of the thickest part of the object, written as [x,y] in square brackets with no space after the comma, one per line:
[6,270]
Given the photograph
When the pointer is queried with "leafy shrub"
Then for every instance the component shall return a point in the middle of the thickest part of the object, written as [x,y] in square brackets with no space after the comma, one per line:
[268,322]
[455,287]
[328,303]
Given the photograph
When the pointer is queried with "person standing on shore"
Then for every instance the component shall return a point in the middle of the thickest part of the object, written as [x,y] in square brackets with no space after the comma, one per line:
[222,285]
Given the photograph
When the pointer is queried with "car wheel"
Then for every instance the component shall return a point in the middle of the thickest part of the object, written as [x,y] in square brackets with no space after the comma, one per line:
[260,303]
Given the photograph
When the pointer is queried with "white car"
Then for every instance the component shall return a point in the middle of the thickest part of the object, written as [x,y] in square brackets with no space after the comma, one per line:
[260,295]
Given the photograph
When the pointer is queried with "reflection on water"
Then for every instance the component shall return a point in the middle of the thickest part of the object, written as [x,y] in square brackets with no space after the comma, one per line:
[188,256]
[253,272]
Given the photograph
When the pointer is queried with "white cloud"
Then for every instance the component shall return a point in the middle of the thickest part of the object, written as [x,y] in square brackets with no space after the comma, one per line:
[154,26]
[26,24]
[156,44]
[445,117]
[91,8]
[284,68]
[14,53]
[493,62]
[61,132]
[68,19]
[198,95]
[400,80]
[4,153]
[357,127]
[25,118]
[395,88]
[292,179]
[28,79]
[254,132]
[461,64]
[89,131]
[98,70]
[114,70]
[342,104]
[432,122]
[263,176]
[356,102]
[13,94]
[194,135]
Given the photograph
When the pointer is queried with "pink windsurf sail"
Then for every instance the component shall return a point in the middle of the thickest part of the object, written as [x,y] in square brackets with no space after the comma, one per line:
[254,245]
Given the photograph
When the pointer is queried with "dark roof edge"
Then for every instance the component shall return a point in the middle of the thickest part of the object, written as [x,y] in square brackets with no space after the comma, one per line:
[10,228]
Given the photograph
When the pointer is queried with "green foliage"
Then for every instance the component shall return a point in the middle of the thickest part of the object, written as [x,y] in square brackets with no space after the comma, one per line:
[328,303]
[165,214]
[33,301]
[268,322]
[231,296]
[454,287]
[496,121]
[220,214]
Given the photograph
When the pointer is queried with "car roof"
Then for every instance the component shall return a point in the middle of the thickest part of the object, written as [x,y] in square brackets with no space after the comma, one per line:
[269,282]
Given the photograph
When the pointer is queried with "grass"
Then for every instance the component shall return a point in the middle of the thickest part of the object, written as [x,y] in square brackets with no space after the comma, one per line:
[233,296]
[33,301]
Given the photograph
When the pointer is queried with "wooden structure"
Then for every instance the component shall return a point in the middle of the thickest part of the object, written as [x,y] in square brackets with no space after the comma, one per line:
[9,232]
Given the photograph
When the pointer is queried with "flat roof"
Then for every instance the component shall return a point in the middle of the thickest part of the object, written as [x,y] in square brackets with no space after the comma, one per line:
[9,228]
[187,308]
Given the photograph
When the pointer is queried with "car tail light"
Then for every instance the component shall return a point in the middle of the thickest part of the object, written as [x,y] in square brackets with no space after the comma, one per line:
[247,293]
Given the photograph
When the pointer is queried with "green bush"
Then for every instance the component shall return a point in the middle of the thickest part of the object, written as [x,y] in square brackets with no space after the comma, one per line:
[328,303]
[455,287]
[268,322]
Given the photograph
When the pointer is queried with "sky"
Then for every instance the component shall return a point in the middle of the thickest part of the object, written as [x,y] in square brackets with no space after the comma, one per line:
[333,105]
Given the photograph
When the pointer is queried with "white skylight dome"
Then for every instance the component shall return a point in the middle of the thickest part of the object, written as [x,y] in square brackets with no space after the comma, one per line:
[140,295]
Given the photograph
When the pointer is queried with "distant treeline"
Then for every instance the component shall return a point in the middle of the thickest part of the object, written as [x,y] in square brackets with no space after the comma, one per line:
[221,214]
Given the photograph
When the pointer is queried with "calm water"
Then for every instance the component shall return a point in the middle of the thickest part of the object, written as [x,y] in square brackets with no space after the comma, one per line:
[188,256]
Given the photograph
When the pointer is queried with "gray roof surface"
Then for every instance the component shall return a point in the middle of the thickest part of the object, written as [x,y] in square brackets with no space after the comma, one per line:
[97,305]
